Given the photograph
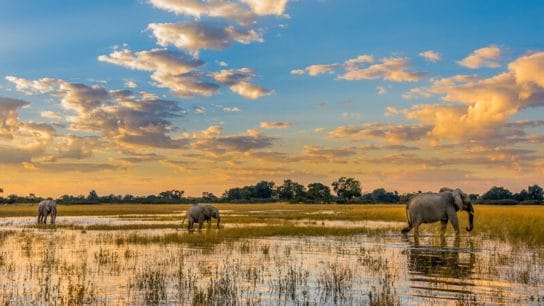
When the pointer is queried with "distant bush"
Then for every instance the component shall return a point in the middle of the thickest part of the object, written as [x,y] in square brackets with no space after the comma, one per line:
[498,202]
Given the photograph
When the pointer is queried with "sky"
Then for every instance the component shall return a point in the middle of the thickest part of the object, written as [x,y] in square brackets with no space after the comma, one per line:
[141,96]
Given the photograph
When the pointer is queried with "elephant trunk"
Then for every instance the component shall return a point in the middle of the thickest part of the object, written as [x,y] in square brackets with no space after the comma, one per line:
[470,218]
[218,220]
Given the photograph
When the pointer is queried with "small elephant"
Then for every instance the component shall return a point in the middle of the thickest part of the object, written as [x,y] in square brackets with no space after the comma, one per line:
[442,206]
[200,213]
[46,208]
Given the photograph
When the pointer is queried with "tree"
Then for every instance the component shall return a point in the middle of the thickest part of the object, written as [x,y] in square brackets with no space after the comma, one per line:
[521,196]
[264,190]
[535,193]
[347,188]
[171,194]
[1,190]
[380,195]
[208,196]
[497,193]
[290,190]
[93,196]
[318,193]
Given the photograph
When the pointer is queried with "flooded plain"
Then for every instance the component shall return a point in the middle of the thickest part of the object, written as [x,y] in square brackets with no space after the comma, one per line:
[70,265]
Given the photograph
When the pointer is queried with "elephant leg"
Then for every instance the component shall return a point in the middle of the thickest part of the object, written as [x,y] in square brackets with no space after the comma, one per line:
[443,225]
[455,223]
[200,222]
[53,217]
[190,223]
[416,228]
[405,230]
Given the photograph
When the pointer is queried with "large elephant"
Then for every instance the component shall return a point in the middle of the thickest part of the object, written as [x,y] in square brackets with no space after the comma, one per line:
[442,206]
[200,213]
[46,208]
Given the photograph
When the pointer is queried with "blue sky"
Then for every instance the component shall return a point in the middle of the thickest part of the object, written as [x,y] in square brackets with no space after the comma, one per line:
[63,40]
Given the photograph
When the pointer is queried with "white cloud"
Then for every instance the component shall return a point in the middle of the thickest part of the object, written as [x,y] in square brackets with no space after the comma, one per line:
[431,56]
[275,125]
[238,81]
[395,69]
[231,109]
[131,84]
[193,36]
[381,90]
[50,115]
[484,57]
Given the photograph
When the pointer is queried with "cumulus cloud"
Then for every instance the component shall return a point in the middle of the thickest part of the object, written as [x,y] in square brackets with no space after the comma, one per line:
[50,115]
[120,116]
[211,140]
[231,109]
[275,125]
[479,109]
[431,56]
[180,73]
[483,57]
[381,90]
[243,12]
[163,60]
[239,82]
[21,141]
[389,132]
[193,36]
[392,68]
[363,67]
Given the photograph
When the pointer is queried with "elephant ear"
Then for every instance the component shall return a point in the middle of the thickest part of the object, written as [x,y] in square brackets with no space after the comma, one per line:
[457,200]
[207,210]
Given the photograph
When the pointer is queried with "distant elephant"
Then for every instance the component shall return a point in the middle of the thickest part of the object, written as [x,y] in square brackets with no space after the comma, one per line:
[46,208]
[200,213]
[442,206]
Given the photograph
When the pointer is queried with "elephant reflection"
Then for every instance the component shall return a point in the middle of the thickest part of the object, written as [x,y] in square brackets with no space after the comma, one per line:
[441,261]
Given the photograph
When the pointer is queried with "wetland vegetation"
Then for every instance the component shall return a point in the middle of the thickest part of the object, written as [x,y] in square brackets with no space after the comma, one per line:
[268,253]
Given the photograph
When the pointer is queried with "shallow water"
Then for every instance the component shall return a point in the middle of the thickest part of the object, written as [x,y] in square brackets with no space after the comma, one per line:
[65,266]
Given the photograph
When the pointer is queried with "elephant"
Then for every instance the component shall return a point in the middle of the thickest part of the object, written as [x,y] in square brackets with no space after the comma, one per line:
[200,213]
[46,208]
[442,206]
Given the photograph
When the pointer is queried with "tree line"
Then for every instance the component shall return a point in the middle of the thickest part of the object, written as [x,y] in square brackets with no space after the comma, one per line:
[343,190]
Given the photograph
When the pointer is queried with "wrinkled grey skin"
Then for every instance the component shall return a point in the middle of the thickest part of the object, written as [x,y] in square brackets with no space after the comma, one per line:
[46,208]
[442,206]
[200,213]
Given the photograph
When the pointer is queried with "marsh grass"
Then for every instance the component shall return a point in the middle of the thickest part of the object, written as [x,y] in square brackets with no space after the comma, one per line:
[516,224]
[212,237]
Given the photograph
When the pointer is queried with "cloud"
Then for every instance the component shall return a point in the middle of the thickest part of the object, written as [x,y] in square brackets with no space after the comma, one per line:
[238,82]
[479,109]
[267,7]
[484,57]
[211,140]
[244,12]
[275,125]
[32,87]
[381,90]
[318,69]
[388,132]
[391,68]
[199,109]
[163,60]
[363,67]
[431,56]
[231,109]
[50,115]
[193,36]
[131,84]
[180,73]
[120,116]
